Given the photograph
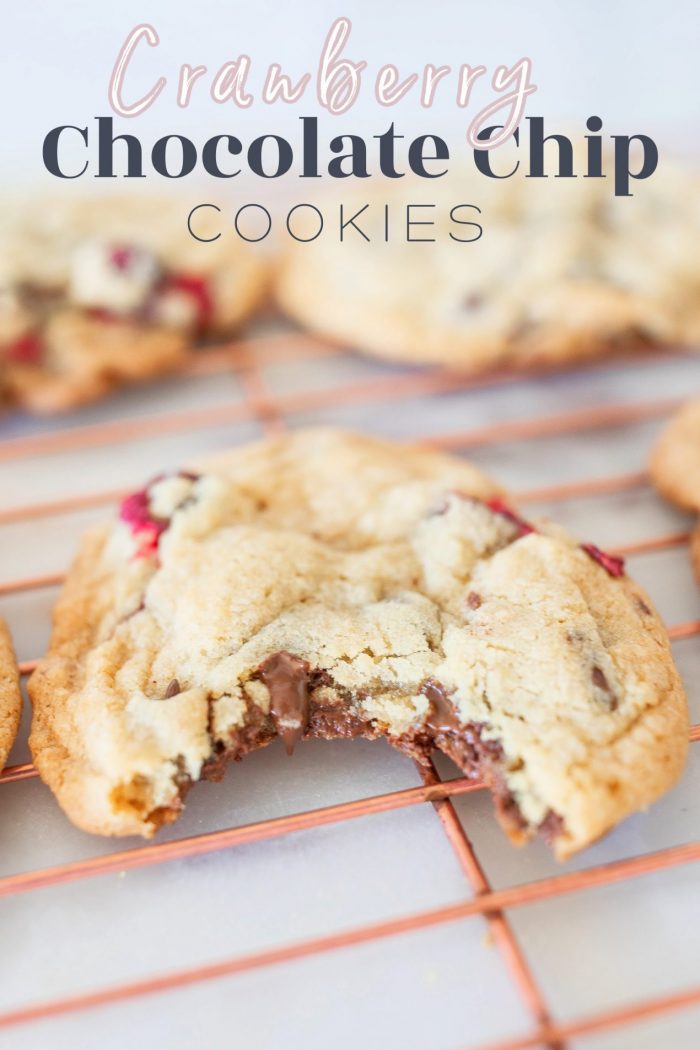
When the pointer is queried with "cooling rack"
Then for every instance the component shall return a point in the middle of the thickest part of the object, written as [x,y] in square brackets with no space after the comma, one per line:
[560,426]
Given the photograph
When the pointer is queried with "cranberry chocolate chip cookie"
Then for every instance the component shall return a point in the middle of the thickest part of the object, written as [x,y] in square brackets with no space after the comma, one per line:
[324,584]
[10,696]
[99,292]
[562,272]
[675,467]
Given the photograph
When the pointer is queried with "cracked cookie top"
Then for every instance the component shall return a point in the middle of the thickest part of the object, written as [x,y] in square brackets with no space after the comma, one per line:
[329,584]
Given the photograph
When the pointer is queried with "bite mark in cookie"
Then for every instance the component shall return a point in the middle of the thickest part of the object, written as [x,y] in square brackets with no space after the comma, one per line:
[136,512]
[306,587]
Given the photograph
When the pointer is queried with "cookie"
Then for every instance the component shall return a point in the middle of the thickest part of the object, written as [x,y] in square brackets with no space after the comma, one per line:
[674,467]
[675,460]
[563,271]
[99,292]
[324,584]
[10,696]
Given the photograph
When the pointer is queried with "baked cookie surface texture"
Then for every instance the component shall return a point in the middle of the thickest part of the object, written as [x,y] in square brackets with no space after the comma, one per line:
[324,584]
[563,272]
[675,467]
[10,696]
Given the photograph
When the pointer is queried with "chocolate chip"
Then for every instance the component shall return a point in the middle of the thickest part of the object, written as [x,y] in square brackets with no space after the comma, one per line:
[474,600]
[575,638]
[442,715]
[173,689]
[601,682]
[643,607]
[472,301]
[287,679]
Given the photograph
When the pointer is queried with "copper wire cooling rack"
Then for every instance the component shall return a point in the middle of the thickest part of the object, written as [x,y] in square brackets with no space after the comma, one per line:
[271,413]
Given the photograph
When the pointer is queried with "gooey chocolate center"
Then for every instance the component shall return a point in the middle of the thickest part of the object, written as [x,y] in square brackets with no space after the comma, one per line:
[287,680]
[306,703]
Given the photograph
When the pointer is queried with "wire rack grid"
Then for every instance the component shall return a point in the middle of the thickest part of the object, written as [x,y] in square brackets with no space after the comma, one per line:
[272,410]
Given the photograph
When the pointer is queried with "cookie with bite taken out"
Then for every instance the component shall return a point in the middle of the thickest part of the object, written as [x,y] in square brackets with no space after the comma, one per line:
[326,584]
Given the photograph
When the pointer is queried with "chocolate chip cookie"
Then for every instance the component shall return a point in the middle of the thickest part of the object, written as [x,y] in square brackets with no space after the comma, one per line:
[675,467]
[99,292]
[325,584]
[10,696]
[562,272]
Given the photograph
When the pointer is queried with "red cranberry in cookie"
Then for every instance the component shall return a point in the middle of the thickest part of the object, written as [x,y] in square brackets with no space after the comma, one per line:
[182,301]
[25,350]
[613,565]
[137,512]
[498,506]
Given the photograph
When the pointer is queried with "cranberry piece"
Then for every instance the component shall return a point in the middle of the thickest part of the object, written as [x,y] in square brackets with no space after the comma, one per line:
[26,350]
[121,257]
[197,288]
[613,565]
[135,512]
[499,507]
[101,313]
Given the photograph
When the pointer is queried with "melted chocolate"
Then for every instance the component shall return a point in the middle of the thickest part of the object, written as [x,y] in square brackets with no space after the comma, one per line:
[442,716]
[306,703]
[476,755]
[287,678]
[338,722]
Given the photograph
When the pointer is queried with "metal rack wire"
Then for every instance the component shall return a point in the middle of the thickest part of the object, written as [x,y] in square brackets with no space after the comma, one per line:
[260,405]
